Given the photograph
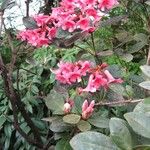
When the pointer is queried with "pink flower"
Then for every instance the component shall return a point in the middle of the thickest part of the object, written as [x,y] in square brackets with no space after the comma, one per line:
[52,33]
[107,4]
[69,25]
[111,79]
[91,12]
[42,19]
[84,67]
[70,15]
[34,37]
[99,78]
[95,82]
[83,24]
[69,73]
[87,109]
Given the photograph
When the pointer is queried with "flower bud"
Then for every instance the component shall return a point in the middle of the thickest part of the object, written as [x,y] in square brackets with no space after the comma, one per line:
[67,108]
[87,109]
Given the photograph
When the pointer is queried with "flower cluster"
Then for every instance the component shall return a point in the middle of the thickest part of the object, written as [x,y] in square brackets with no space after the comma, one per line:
[71,15]
[99,79]
[69,73]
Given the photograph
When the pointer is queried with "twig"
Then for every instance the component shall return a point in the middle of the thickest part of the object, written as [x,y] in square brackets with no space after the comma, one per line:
[27,7]
[20,105]
[84,49]
[118,102]
[17,127]
[28,71]
[148,57]
[49,4]
[17,80]
[12,96]
[93,43]
[1,21]
[14,51]
[48,143]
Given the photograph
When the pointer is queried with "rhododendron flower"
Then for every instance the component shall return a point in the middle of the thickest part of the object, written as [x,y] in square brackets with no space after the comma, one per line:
[70,15]
[83,23]
[107,4]
[111,79]
[69,73]
[42,19]
[95,82]
[99,78]
[51,32]
[87,109]
[69,25]
[34,37]
[92,13]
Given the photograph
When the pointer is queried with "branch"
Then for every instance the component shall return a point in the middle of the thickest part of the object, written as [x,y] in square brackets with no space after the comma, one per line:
[27,2]
[119,102]
[49,4]
[13,99]
[19,103]
[1,21]
[148,57]
[14,51]
[48,143]
[17,127]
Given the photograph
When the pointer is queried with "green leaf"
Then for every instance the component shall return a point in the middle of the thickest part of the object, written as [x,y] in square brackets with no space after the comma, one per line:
[49,119]
[147,101]
[52,78]
[141,37]
[34,89]
[62,33]
[55,102]
[129,91]
[29,22]
[63,144]
[25,127]
[120,134]
[2,121]
[8,130]
[135,48]
[39,123]
[92,141]
[121,36]
[146,70]
[148,2]
[142,147]
[117,88]
[126,57]
[78,101]
[143,107]
[71,118]
[139,123]
[58,125]
[145,85]
[115,70]
[7,4]
[83,126]
[99,122]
